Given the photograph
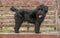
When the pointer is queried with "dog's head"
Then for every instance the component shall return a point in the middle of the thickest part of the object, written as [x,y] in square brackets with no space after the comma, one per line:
[42,10]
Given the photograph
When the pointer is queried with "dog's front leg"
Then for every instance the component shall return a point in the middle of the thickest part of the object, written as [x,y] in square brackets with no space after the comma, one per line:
[37,27]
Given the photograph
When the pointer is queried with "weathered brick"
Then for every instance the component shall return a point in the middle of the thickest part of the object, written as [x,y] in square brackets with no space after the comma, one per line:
[0,3]
[26,2]
[29,36]
[7,2]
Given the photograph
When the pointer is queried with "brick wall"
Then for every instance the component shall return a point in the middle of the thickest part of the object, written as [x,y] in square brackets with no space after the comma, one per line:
[27,2]
[7,16]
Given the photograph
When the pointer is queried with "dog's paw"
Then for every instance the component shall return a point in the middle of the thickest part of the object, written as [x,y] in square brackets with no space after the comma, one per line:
[37,32]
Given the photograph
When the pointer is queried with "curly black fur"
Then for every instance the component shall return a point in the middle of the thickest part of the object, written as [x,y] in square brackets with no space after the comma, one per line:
[35,16]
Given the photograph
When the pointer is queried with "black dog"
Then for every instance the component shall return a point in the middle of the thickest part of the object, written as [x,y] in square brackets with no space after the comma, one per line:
[32,16]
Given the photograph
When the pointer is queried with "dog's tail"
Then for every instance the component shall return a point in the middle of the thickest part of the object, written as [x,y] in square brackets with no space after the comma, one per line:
[13,9]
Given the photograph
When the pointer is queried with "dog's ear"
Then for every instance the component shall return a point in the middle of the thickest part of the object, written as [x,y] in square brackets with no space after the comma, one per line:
[40,7]
[46,8]
[13,9]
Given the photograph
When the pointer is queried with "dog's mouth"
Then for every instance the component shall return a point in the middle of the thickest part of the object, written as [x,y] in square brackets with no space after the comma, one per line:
[39,16]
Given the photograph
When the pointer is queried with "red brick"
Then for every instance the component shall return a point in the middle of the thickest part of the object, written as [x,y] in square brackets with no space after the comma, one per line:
[7,2]
[26,2]
[28,36]
[0,3]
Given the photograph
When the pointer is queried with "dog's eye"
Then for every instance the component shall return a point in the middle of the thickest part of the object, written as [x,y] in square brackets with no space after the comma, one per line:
[41,9]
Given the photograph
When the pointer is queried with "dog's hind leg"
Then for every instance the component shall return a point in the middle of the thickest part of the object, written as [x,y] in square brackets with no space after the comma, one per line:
[18,22]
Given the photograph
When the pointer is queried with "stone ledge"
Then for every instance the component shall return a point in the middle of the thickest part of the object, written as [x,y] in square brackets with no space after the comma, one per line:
[32,33]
